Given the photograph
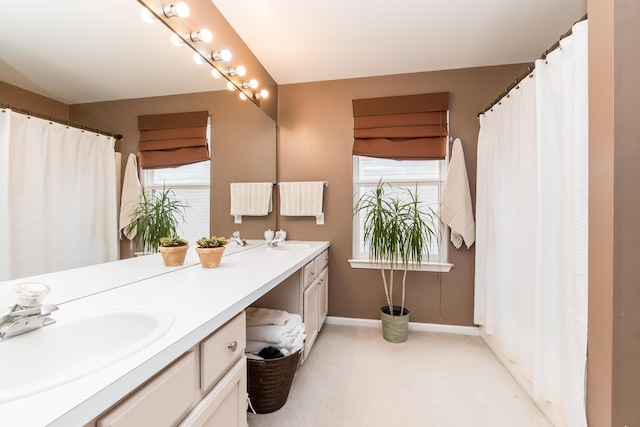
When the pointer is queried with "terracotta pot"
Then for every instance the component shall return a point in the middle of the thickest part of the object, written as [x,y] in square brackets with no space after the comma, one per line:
[210,257]
[395,328]
[173,256]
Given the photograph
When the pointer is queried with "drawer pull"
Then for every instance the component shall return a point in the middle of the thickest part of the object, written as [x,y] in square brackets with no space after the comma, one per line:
[232,346]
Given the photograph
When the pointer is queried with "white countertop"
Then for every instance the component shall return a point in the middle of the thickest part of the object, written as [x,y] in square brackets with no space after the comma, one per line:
[202,300]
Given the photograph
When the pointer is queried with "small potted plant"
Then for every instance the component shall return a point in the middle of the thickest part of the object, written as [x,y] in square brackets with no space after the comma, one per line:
[210,250]
[398,232]
[173,250]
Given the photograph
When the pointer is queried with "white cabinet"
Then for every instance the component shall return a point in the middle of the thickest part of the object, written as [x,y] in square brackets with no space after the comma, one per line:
[305,293]
[207,386]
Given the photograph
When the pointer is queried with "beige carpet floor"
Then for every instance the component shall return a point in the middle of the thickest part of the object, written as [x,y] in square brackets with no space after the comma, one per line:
[354,378]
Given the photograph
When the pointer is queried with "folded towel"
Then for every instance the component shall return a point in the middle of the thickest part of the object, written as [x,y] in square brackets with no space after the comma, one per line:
[131,193]
[274,333]
[301,198]
[288,341]
[251,198]
[456,210]
[266,316]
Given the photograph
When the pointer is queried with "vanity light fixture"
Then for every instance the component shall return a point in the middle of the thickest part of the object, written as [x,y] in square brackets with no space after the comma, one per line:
[243,96]
[230,86]
[262,94]
[197,58]
[223,55]
[180,9]
[147,16]
[215,73]
[201,36]
[237,71]
[176,40]
[253,84]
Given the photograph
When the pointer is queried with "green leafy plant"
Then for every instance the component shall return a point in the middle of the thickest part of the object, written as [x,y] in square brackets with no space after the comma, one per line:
[157,215]
[173,241]
[212,242]
[397,231]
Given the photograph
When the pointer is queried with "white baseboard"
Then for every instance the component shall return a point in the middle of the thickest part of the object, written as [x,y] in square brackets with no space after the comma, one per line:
[413,326]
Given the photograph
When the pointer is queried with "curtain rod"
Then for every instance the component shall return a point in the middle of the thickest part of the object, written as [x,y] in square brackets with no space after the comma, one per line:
[62,122]
[530,68]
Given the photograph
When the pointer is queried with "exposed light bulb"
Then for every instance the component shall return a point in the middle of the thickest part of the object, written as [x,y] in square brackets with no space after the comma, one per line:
[241,70]
[243,96]
[253,83]
[201,36]
[147,16]
[230,86]
[180,9]
[176,40]
[264,93]
[216,74]
[197,58]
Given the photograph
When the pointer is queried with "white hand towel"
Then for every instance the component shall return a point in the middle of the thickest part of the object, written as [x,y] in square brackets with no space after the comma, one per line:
[274,333]
[131,193]
[456,210]
[301,198]
[251,198]
[266,316]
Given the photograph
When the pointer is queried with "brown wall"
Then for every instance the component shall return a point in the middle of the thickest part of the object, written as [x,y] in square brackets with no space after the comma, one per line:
[315,140]
[20,98]
[613,377]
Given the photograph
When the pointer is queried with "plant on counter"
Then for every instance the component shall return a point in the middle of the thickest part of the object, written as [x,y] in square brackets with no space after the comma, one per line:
[210,250]
[156,216]
[173,250]
[397,232]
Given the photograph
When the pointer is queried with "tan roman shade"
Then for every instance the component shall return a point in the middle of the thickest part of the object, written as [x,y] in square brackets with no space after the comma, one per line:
[412,127]
[171,140]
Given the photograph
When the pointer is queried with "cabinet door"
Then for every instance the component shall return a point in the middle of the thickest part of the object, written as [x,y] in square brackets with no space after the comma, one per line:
[323,292]
[226,404]
[221,350]
[163,401]
[310,318]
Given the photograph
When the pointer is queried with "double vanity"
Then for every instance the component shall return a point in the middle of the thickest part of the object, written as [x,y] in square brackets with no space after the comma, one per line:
[138,343]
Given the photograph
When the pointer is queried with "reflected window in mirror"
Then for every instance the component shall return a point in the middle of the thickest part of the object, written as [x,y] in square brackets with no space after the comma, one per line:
[191,184]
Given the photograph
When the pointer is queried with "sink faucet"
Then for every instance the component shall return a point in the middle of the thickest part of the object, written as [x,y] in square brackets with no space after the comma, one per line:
[275,242]
[239,240]
[18,319]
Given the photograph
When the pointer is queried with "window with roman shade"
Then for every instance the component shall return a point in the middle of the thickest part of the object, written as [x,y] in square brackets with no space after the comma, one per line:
[411,127]
[171,140]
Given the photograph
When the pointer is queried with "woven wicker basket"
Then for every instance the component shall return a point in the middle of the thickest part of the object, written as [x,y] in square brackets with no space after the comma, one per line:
[269,382]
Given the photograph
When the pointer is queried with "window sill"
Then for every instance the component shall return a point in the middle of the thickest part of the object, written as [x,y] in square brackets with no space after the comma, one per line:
[442,267]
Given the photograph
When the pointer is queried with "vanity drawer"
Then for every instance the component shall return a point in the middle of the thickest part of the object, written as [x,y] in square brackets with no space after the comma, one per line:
[321,261]
[221,350]
[309,273]
[177,385]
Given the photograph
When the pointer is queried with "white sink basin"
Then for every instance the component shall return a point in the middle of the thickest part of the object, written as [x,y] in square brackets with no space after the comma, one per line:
[290,247]
[79,343]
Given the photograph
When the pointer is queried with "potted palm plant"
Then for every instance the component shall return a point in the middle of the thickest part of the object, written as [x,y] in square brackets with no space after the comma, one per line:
[156,216]
[210,250]
[173,250]
[398,232]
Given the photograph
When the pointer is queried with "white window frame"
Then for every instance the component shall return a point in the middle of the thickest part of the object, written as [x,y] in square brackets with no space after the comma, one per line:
[361,259]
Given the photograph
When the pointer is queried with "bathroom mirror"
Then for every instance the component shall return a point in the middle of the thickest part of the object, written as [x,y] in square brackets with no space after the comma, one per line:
[109,66]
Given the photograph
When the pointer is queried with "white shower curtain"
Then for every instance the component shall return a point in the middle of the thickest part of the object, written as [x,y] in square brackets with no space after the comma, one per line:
[57,197]
[531,253]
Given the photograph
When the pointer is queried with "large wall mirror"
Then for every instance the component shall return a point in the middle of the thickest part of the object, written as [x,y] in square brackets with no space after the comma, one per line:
[108,66]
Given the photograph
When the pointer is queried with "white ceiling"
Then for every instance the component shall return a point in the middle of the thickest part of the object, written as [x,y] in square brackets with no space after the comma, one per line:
[95,50]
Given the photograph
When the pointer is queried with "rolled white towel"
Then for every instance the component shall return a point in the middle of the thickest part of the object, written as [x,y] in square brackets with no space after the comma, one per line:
[274,333]
[266,316]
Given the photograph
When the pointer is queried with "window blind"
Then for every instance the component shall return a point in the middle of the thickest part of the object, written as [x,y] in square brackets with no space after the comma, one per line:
[171,140]
[411,127]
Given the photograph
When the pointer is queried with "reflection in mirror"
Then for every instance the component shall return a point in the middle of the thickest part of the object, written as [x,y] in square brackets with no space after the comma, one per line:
[98,64]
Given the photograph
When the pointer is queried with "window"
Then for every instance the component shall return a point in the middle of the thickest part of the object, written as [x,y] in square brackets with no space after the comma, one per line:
[191,184]
[428,175]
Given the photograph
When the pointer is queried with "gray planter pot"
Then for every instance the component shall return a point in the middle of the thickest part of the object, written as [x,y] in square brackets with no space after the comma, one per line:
[394,328]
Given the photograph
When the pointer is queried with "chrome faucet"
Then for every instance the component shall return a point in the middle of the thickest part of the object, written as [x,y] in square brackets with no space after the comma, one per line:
[239,240]
[275,242]
[18,320]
